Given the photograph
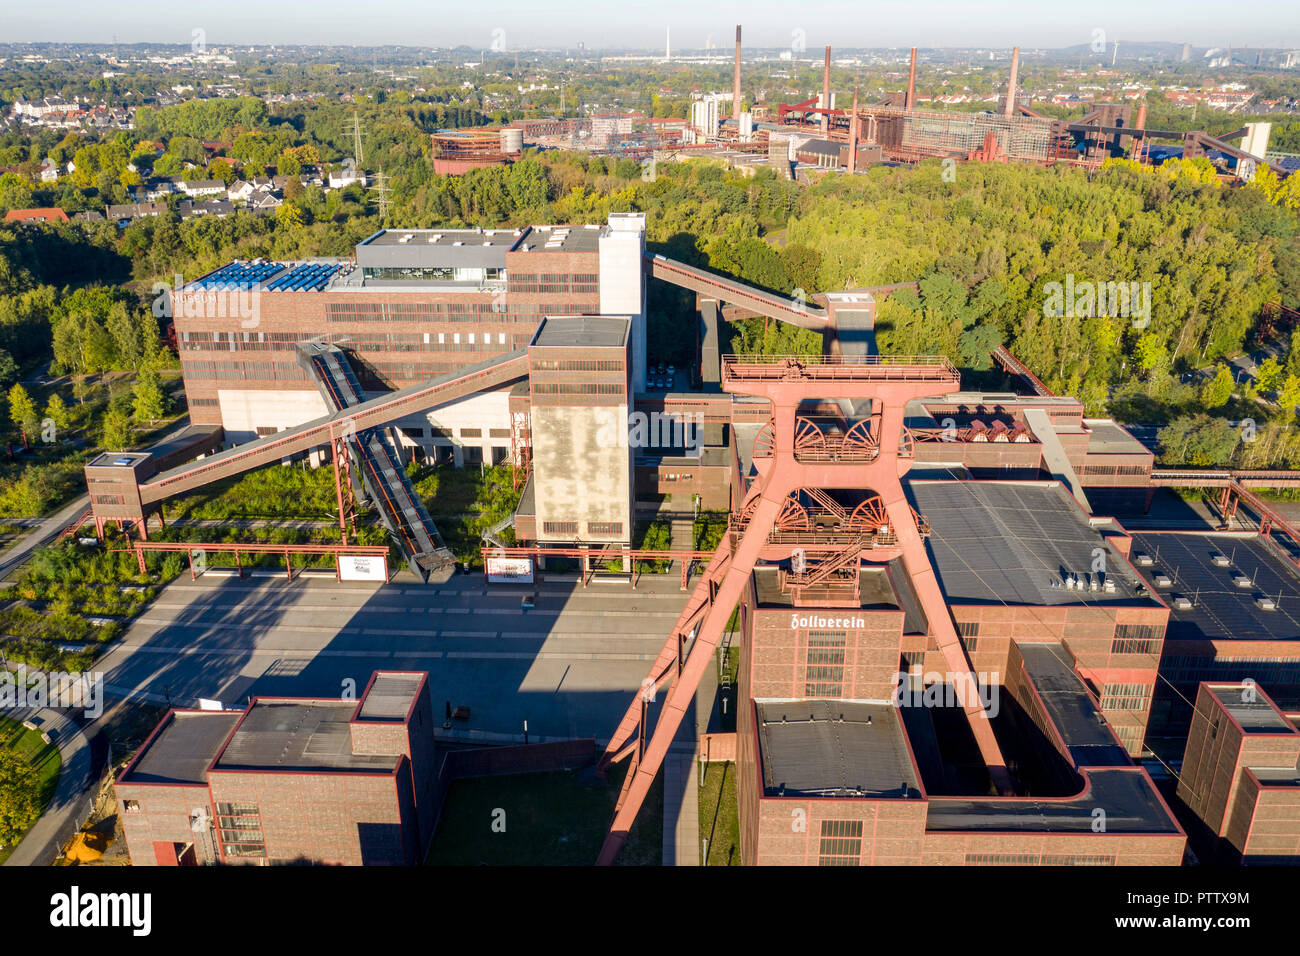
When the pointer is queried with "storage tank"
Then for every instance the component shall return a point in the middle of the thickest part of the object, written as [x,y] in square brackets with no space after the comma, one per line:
[512,140]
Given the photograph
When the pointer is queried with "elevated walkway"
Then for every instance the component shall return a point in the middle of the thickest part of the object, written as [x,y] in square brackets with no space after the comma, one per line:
[807,316]
[321,431]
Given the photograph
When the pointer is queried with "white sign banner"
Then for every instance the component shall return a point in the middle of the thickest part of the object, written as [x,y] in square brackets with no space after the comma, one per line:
[357,567]
[510,570]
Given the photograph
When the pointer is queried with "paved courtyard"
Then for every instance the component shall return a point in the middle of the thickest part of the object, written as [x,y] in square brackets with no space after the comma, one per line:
[568,667]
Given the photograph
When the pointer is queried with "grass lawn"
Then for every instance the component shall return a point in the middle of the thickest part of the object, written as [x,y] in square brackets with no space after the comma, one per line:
[43,756]
[720,814]
[551,819]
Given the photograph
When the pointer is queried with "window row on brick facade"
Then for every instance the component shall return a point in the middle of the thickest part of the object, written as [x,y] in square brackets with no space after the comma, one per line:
[1115,470]
[1125,696]
[564,388]
[578,365]
[841,843]
[1037,859]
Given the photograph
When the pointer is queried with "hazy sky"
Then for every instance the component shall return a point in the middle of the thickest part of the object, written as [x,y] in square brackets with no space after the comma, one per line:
[641,23]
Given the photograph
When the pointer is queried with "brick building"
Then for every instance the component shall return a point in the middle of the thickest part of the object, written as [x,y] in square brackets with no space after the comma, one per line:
[320,780]
[411,305]
[1240,775]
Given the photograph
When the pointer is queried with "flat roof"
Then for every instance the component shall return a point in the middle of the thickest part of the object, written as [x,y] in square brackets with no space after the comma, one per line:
[116,459]
[834,748]
[1081,725]
[181,751]
[490,238]
[1016,543]
[1107,438]
[875,591]
[1254,713]
[579,331]
[1277,776]
[298,735]
[183,440]
[1220,610]
[390,696]
[562,239]
[1125,793]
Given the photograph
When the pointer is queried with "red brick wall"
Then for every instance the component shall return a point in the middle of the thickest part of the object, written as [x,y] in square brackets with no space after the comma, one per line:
[1275,823]
[790,828]
[779,652]
[320,816]
[164,816]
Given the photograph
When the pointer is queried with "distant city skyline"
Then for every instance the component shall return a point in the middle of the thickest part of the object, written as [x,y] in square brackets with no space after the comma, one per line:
[564,24]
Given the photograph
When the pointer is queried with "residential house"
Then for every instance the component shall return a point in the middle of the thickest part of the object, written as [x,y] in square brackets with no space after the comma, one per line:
[49,214]
[203,187]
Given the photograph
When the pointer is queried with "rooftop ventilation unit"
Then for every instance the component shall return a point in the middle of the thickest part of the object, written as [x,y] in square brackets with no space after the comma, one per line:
[1220,560]
[405,238]
[1144,560]
[1266,604]
[1182,603]
[458,242]
[1109,586]
[1162,580]
[1242,580]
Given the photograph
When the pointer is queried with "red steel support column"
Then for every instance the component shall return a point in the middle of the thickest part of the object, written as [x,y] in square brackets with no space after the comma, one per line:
[337,450]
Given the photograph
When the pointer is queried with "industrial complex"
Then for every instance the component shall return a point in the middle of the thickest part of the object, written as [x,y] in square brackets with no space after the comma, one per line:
[951,649]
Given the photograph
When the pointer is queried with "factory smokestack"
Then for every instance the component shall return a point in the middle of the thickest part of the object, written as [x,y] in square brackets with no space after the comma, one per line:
[826,91]
[735,84]
[910,102]
[853,134]
[1011,85]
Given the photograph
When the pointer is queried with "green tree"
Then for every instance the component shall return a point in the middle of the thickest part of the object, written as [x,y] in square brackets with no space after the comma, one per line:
[150,402]
[22,410]
[19,796]
[1268,375]
[8,369]
[115,430]
[1217,390]
[56,409]
[1289,397]
[1198,440]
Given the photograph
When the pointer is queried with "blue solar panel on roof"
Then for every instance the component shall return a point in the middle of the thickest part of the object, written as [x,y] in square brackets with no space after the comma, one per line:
[304,278]
[238,275]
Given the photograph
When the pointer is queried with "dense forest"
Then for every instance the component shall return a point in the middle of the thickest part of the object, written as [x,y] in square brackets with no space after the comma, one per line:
[984,248]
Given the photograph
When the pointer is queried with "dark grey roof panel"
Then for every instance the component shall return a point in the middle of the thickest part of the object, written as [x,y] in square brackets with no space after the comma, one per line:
[834,748]
[1015,543]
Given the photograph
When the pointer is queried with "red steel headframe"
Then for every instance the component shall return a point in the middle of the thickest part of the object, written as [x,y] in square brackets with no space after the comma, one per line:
[786,381]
